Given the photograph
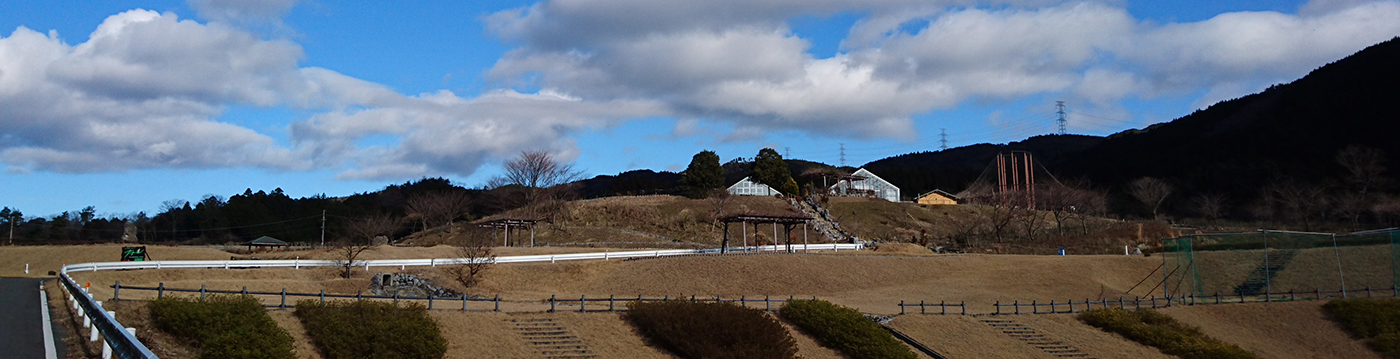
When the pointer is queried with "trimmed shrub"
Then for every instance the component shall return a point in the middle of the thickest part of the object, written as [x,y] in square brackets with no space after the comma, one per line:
[1377,321]
[711,330]
[844,329]
[223,326]
[370,329]
[1164,333]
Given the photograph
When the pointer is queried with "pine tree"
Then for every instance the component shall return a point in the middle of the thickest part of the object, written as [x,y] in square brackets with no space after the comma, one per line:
[703,175]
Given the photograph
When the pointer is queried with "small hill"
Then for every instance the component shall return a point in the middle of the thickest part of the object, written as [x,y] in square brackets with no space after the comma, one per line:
[659,220]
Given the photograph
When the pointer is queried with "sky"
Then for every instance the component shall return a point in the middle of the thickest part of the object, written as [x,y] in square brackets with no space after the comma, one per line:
[122,105]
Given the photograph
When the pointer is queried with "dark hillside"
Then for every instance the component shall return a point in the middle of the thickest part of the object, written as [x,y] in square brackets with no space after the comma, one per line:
[1289,131]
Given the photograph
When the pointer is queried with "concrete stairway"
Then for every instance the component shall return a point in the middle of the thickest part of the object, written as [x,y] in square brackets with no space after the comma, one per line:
[1035,339]
[551,339]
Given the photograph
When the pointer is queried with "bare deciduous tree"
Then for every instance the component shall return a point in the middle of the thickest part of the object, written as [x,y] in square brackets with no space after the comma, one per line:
[1365,169]
[438,208]
[1209,205]
[719,200]
[548,183]
[1152,192]
[359,236]
[474,256]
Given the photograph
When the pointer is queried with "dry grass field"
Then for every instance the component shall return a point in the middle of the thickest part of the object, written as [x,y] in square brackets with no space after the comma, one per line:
[1274,330]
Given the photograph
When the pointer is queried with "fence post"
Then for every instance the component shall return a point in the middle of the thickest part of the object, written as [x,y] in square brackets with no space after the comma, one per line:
[1035,308]
[1071,305]
[201,292]
[944,305]
[284,300]
[1368,291]
[498,302]
[116,291]
[1017,305]
[396,299]
[430,302]
[323,297]
[359,296]
[1124,307]
[551,303]
[160,291]
[245,291]
[998,306]
[1319,293]
[582,303]
[963,304]
[743,301]
[767,304]
[464,303]
[610,303]
[901,307]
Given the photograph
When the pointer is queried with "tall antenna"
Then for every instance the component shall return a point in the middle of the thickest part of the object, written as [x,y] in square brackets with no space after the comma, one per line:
[787,152]
[943,138]
[843,154]
[1060,109]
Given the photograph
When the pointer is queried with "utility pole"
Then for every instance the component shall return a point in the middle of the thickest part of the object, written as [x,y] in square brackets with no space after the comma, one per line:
[1060,109]
[843,154]
[943,138]
[323,228]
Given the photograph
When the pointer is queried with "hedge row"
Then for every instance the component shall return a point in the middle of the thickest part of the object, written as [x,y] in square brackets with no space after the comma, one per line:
[1164,333]
[370,329]
[711,330]
[1377,321]
[223,326]
[844,329]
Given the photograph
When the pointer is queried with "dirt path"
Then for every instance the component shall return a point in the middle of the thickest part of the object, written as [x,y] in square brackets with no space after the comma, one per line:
[1274,330]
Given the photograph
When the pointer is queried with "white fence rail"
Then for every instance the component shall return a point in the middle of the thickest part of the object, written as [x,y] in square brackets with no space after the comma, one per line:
[298,263]
[125,344]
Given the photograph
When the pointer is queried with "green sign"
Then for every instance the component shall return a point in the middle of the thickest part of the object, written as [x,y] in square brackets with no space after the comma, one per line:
[134,254]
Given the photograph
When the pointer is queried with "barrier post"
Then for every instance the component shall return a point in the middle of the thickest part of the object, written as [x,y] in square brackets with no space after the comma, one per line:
[201,292]
[901,307]
[323,297]
[116,289]
[610,303]
[160,291]
[582,303]
[284,299]
[498,302]
[551,303]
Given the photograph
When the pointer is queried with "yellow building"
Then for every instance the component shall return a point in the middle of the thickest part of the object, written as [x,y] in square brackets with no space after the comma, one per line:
[937,197]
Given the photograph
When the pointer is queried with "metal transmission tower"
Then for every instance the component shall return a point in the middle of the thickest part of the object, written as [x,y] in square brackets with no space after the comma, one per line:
[1060,109]
[943,139]
[843,154]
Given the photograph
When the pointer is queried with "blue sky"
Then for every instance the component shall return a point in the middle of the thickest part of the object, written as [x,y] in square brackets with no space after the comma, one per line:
[123,105]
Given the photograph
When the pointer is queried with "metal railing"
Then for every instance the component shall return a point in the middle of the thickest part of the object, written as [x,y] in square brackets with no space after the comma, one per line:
[116,339]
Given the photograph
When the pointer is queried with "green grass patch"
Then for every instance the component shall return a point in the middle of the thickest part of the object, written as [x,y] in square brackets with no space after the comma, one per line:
[1164,333]
[844,329]
[1376,321]
[223,326]
[711,330]
[370,329]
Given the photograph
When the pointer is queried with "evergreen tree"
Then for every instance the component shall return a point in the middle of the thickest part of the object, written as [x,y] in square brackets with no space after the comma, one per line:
[769,169]
[703,175]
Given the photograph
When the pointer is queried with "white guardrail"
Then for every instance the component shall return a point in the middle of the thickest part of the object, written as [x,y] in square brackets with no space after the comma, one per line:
[125,344]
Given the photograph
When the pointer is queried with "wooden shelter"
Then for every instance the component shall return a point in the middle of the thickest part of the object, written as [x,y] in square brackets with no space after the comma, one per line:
[266,242]
[787,221]
[505,224]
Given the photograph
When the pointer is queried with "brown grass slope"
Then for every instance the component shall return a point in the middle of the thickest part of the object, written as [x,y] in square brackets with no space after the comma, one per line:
[678,218]
[1274,330]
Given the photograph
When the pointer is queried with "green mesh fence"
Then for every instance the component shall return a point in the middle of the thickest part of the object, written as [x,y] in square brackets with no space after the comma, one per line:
[1259,265]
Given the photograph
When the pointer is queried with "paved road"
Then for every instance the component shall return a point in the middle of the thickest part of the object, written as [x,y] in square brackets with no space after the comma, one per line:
[21,323]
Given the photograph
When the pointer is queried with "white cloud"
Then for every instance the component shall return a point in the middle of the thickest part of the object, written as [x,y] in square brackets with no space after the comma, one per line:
[738,62]
[146,90]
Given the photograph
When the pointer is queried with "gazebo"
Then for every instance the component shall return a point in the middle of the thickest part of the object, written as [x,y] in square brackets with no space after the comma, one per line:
[507,223]
[788,222]
[265,242]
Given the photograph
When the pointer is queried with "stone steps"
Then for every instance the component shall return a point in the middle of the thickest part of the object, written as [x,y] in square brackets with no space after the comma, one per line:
[1035,339]
[549,338]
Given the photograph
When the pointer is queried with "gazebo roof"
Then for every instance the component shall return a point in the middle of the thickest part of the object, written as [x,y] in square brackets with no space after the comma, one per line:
[754,218]
[266,241]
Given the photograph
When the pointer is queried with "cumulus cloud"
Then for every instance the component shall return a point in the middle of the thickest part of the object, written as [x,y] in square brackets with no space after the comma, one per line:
[739,62]
[146,91]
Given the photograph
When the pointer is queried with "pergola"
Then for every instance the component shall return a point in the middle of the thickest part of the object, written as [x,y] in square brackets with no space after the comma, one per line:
[788,223]
[507,223]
